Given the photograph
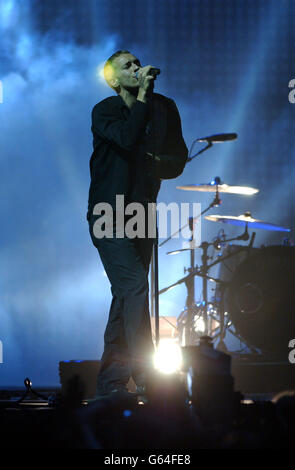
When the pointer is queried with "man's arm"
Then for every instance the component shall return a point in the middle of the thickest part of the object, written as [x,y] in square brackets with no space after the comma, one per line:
[108,124]
[171,162]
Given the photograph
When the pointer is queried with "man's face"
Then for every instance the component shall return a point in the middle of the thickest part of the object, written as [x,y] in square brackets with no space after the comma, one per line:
[125,67]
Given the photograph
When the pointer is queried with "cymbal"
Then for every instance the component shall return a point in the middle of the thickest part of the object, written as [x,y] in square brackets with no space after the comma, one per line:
[175,252]
[217,185]
[246,219]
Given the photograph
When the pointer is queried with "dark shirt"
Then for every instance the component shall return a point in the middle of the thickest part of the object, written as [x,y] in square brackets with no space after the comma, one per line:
[122,137]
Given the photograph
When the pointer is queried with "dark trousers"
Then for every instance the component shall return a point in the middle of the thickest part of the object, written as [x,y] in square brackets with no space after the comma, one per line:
[128,345]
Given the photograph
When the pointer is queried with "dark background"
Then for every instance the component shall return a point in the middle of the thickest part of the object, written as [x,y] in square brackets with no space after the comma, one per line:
[226,63]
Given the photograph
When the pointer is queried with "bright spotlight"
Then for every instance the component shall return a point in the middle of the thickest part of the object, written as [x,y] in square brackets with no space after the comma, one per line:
[199,324]
[168,358]
[99,73]
[104,73]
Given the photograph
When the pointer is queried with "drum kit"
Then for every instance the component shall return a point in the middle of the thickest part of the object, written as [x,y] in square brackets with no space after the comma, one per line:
[254,289]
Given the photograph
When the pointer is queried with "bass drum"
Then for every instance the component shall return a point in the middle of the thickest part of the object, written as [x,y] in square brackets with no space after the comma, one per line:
[260,299]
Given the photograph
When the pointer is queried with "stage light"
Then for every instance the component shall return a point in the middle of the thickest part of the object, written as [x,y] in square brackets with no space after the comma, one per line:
[168,358]
[104,73]
[199,324]
[100,73]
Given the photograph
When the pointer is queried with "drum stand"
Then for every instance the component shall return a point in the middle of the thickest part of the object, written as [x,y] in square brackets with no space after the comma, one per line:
[189,280]
[203,272]
[186,321]
[155,267]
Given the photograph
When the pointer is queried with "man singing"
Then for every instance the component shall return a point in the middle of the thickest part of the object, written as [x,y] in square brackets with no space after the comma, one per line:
[137,141]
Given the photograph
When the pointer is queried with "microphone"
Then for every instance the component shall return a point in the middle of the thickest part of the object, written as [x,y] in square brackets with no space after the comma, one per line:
[154,71]
[218,138]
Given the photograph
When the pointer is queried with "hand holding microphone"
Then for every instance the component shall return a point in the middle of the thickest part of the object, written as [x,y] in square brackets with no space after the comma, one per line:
[154,71]
[146,76]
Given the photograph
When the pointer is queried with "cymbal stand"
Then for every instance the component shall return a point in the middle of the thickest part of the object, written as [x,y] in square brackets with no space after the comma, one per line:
[201,271]
[190,280]
[190,286]
[221,319]
[204,270]
[215,203]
